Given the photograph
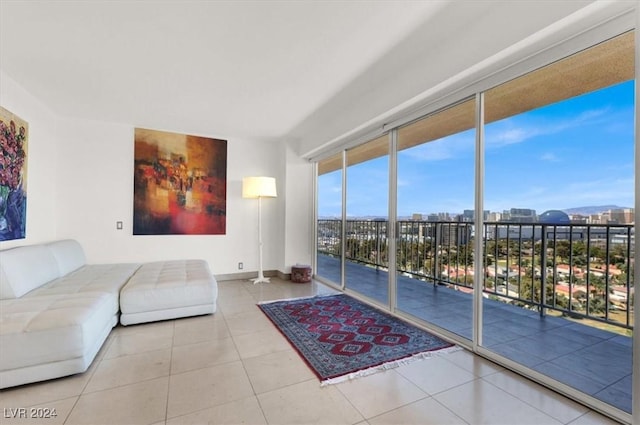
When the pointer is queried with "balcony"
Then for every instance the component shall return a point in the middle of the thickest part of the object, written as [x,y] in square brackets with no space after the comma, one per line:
[564,311]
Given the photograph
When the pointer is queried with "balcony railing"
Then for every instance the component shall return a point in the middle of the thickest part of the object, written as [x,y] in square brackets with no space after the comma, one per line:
[577,270]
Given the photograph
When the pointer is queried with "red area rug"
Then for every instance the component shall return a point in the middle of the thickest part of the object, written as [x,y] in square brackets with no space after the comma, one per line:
[340,337]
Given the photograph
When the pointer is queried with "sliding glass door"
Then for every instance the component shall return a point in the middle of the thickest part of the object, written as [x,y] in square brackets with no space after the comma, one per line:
[559,190]
[329,225]
[366,245]
[434,255]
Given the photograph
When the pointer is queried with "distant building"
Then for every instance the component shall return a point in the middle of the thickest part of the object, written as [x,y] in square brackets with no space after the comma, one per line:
[494,216]
[600,218]
[622,215]
[455,234]
[578,218]
[522,215]
[441,216]
[470,215]
[416,217]
[554,217]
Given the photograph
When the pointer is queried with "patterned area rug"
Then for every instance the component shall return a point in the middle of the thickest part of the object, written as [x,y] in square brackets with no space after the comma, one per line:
[341,338]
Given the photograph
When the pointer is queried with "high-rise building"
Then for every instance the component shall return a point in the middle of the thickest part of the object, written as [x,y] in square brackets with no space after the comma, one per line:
[494,216]
[522,215]
[622,215]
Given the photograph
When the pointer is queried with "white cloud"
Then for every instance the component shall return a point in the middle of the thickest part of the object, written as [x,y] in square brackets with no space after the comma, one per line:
[549,156]
[441,149]
[508,131]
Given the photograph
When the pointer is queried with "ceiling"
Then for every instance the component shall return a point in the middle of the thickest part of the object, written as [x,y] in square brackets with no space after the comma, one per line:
[256,70]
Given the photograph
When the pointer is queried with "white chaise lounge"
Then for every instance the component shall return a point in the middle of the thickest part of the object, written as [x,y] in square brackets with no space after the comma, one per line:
[168,290]
[56,311]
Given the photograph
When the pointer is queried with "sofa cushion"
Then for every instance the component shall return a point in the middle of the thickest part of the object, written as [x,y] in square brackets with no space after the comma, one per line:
[108,278]
[38,330]
[25,268]
[68,254]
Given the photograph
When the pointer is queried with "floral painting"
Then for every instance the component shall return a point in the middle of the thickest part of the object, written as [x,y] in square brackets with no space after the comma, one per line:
[13,176]
[180,184]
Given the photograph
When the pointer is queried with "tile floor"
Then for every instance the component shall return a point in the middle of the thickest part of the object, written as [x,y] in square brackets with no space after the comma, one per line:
[235,367]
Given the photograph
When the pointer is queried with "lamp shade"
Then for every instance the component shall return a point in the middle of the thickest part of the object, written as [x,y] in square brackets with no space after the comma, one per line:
[259,187]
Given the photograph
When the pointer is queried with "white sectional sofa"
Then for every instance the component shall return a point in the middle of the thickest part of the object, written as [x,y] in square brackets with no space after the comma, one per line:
[56,311]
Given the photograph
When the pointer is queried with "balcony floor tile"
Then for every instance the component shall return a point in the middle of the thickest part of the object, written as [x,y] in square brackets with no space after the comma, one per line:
[592,360]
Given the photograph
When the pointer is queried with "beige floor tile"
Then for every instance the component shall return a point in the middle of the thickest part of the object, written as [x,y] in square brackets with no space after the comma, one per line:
[235,294]
[593,418]
[479,402]
[51,413]
[260,343]
[141,403]
[277,370]
[271,292]
[203,354]
[231,307]
[209,387]
[553,404]
[156,328]
[126,370]
[378,393]
[200,329]
[237,297]
[435,374]
[308,403]
[44,392]
[422,412]
[139,342]
[245,411]
[473,363]
[247,322]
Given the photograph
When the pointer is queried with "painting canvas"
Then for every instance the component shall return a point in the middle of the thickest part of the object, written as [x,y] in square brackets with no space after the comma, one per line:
[180,184]
[14,133]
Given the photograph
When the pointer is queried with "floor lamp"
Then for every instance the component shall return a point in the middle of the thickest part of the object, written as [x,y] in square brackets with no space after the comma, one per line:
[259,187]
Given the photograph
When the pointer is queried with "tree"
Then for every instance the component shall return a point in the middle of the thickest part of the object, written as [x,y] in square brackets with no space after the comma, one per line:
[563,250]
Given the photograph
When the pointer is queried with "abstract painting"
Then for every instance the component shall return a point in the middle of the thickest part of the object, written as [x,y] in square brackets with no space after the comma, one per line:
[180,184]
[13,176]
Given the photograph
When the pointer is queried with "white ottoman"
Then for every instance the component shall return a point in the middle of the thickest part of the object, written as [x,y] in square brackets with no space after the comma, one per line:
[168,290]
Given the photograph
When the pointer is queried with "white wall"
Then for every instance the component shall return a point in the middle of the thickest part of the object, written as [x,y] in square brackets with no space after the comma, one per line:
[80,182]
[298,210]
[41,161]
[95,189]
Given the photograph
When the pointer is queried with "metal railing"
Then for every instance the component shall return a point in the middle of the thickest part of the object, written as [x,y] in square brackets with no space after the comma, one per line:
[584,270]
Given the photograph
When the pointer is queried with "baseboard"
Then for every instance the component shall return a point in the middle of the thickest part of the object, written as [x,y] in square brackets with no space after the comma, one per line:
[284,276]
[252,275]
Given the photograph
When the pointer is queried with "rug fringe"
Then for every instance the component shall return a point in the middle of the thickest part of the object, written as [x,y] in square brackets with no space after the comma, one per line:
[390,365]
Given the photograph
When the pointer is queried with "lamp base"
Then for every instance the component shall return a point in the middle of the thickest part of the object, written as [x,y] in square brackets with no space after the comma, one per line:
[260,280]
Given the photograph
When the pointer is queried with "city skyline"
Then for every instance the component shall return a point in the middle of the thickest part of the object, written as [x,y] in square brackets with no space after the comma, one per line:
[574,153]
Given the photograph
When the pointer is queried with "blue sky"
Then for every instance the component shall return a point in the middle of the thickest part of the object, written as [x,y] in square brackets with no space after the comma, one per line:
[574,153]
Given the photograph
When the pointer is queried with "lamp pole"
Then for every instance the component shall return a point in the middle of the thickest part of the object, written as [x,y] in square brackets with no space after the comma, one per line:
[259,187]
[261,277]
